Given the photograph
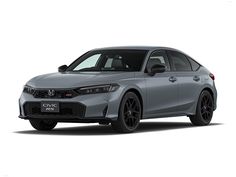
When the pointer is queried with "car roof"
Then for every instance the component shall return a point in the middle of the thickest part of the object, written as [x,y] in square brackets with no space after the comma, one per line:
[150,48]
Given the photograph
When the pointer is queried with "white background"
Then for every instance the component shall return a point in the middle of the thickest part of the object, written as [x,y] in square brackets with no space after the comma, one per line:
[38,36]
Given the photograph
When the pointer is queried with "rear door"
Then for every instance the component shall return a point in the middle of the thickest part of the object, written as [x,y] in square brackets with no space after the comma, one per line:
[189,80]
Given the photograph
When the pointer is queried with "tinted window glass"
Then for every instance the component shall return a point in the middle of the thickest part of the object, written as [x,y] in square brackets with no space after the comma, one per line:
[180,62]
[194,64]
[158,57]
[109,60]
[108,63]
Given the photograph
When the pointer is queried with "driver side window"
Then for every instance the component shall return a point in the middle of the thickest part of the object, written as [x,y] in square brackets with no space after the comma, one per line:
[158,57]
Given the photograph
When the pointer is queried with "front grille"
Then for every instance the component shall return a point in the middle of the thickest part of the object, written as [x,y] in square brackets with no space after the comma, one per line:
[66,109]
[56,93]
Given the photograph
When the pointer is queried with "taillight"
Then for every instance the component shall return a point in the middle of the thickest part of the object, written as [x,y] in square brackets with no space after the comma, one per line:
[212,76]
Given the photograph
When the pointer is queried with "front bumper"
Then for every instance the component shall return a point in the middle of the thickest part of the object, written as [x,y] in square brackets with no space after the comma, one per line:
[83,108]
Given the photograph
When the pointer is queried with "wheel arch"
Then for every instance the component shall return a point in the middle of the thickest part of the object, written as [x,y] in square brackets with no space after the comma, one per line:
[139,97]
[210,91]
[205,88]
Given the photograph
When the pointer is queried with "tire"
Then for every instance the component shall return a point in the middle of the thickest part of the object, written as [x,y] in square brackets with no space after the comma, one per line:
[43,125]
[130,113]
[103,123]
[204,111]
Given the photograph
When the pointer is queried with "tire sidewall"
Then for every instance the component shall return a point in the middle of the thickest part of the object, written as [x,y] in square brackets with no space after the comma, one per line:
[204,93]
[121,111]
[43,125]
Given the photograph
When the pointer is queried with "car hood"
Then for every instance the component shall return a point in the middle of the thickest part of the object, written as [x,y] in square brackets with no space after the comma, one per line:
[72,79]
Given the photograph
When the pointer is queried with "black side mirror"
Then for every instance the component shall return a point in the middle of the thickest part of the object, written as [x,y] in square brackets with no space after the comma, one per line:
[62,68]
[157,68]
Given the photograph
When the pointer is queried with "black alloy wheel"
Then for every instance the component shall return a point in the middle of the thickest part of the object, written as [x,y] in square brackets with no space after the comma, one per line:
[206,107]
[204,110]
[130,113]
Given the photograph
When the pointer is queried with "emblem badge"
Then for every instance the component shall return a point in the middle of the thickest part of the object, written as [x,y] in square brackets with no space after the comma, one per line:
[51,93]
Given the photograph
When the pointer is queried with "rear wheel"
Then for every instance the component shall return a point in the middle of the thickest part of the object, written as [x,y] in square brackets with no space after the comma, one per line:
[43,125]
[204,111]
[130,113]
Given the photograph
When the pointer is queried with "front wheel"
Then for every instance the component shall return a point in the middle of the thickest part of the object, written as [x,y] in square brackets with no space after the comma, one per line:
[204,111]
[43,125]
[130,113]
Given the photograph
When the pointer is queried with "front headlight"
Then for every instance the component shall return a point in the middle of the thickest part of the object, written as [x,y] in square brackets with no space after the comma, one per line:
[97,89]
[28,89]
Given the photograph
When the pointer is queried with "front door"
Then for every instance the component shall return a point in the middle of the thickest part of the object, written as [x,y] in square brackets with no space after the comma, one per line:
[162,88]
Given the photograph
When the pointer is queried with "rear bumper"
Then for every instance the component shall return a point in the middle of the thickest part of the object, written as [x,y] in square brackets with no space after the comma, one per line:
[215,97]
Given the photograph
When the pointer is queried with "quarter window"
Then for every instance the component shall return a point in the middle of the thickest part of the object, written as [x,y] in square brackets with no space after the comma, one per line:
[179,61]
[194,64]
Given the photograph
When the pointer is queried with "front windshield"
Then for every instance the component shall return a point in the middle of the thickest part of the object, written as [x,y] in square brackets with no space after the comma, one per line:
[109,60]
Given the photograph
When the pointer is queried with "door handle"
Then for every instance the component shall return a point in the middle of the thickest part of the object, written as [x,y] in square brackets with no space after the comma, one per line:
[172,79]
[196,78]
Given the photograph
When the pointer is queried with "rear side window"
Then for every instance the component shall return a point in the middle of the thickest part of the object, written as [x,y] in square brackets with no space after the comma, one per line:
[194,64]
[179,61]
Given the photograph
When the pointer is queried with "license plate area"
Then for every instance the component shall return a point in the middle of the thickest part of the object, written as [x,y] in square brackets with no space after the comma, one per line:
[50,106]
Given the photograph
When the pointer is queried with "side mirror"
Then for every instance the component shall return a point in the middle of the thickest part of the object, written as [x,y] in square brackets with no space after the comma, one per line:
[157,68]
[62,68]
